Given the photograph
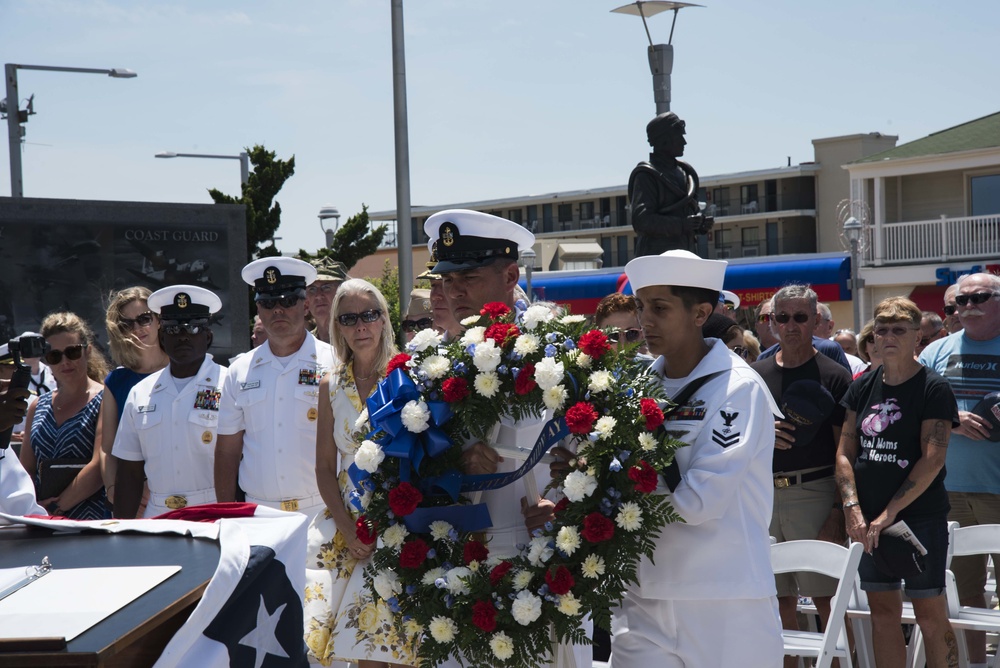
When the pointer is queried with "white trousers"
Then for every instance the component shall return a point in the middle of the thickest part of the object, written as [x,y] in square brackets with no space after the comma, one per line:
[696,634]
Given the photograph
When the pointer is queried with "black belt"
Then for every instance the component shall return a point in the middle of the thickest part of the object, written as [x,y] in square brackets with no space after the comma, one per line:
[789,479]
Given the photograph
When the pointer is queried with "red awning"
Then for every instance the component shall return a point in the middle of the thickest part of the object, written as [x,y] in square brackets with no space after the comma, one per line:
[929,298]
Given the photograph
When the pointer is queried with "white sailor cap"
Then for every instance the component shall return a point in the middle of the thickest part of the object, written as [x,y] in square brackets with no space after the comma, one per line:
[729,297]
[678,268]
[184,302]
[278,276]
[468,239]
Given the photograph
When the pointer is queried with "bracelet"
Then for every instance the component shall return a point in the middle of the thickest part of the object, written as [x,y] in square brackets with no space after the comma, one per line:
[851,504]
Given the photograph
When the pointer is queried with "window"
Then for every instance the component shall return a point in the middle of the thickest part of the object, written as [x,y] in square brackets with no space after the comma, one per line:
[546,217]
[586,210]
[985,195]
[514,215]
[723,237]
[565,213]
[748,193]
[772,238]
[622,250]
[605,206]
[750,236]
[720,202]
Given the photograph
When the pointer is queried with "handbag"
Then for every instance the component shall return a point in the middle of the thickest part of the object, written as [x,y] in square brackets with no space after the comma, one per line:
[56,475]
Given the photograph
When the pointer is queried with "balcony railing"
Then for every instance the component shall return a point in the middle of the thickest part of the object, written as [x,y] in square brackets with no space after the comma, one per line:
[735,206]
[938,240]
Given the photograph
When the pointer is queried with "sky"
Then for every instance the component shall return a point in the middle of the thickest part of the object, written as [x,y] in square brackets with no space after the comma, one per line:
[504,98]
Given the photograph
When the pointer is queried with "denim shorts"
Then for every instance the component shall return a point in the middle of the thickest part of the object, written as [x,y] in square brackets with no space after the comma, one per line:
[933,533]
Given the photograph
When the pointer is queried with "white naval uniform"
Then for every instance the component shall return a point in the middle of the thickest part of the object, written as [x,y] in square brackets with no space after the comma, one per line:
[276,407]
[174,434]
[17,491]
[715,566]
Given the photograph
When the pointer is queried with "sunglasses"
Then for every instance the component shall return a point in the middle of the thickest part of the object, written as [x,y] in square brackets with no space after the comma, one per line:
[72,353]
[896,330]
[283,302]
[950,309]
[325,288]
[141,320]
[632,335]
[764,317]
[977,298]
[173,327]
[924,340]
[351,319]
[741,351]
[783,318]
[415,325]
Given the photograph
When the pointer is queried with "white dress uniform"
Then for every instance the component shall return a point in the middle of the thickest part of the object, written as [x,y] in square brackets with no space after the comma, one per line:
[708,597]
[17,491]
[174,433]
[275,403]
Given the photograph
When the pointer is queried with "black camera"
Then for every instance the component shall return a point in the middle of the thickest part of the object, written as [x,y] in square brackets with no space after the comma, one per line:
[27,346]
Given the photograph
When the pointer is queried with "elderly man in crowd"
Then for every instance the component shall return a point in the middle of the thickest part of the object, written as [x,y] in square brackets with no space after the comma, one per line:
[968,361]
[319,295]
[951,321]
[765,329]
[931,329]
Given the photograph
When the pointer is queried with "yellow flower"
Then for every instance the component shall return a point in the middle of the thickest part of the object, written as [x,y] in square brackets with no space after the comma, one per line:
[317,641]
[339,542]
[315,593]
[569,604]
[368,618]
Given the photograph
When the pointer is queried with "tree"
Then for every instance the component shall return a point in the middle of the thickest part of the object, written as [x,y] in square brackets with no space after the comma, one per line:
[388,285]
[268,176]
[352,242]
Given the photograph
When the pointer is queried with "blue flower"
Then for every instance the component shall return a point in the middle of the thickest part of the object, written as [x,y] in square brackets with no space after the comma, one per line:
[440,583]
[449,601]
[551,337]
[629,392]
[593,436]
[458,366]
[447,565]
[615,465]
[452,536]
[624,454]
[502,369]
[393,604]
[514,371]
[390,514]
[568,344]
[548,526]
[550,350]
[471,349]
[521,307]
[432,553]
[411,589]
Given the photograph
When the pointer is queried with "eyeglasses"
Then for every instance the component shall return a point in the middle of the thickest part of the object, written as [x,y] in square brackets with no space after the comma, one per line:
[896,330]
[977,298]
[632,335]
[325,288]
[783,318]
[72,353]
[351,319]
[142,320]
[173,327]
[741,351]
[950,309]
[415,325]
[764,317]
[283,302]
[924,340]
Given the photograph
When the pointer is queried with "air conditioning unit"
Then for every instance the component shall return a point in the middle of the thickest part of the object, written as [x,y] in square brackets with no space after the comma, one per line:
[751,251]
[722,253]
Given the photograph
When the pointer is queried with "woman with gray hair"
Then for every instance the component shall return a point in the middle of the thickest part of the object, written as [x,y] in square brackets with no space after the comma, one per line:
[362,338]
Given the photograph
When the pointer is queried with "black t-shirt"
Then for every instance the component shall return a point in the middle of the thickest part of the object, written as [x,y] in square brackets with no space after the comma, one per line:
[835,378]
[889,418]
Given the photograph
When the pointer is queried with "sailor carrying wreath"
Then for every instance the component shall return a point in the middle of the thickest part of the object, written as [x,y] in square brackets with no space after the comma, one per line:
[432,569]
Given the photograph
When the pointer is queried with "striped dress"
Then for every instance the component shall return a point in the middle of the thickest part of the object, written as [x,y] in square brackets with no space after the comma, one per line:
[73,438]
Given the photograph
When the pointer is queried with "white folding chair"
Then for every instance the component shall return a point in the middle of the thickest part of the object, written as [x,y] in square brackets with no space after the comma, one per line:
[967,541]
[832,560]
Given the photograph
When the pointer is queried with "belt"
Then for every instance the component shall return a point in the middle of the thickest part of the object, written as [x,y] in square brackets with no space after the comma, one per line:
[177,501]
[792,478]
[288,505]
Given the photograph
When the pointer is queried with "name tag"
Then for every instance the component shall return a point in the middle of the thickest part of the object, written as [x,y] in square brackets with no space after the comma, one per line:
[250,385]
[147,409]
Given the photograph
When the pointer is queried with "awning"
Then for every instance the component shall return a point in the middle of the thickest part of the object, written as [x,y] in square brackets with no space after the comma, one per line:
[587,250]
[929,298]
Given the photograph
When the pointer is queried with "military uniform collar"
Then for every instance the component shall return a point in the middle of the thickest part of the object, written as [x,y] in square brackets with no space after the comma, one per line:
[307,352]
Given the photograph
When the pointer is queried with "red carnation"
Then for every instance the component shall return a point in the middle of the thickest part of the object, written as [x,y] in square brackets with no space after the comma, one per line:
[495,310]
[413,553]
[594,343]
[455,389]
[397,362]
[561,506]
[500,570]
[484,615]
[474,551]
[525,381]
[644,476]
[503,333]
[404,499]
[597,528]
[581,418]
[365,533]
[651,412]
[559,581]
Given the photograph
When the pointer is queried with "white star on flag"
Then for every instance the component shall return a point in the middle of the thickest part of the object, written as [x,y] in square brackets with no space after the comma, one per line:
[263,638]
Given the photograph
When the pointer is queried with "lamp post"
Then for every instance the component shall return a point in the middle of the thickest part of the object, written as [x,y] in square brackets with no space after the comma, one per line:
[14,117]
[661,56]
[852,232]
[528,261]
[327,212]
[401,134]
[242,157]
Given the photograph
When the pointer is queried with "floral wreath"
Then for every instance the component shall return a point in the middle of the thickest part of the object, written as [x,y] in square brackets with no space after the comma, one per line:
[432,569]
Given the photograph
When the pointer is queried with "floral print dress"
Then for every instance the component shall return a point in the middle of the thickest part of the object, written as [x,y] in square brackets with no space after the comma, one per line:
[342,622]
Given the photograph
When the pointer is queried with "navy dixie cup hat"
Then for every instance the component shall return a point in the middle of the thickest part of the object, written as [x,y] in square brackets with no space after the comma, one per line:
[897,558]
[807,405]
[988,408]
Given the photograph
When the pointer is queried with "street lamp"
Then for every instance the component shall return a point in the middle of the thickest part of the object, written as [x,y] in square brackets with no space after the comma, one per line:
[14,129]
[242,157]
[853,228]
[661,56]
[326,213]
[528,262]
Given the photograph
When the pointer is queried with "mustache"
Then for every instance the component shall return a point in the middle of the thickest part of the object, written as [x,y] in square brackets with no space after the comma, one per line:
[971,311]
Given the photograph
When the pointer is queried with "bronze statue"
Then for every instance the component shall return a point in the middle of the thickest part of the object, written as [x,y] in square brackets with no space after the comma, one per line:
[664,193]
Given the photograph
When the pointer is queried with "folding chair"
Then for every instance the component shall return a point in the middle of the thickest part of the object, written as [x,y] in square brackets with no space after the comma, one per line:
[835,561]
[966,541]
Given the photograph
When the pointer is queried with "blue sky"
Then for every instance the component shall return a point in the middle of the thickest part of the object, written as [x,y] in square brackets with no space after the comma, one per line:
[505,98]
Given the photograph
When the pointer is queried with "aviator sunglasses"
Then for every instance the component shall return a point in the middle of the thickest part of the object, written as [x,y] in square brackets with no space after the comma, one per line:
[72,353]
[351,319]
[174,327]
[283,302]
[783,318]
[631,335]
[977,298]
[141,320]
[415,325]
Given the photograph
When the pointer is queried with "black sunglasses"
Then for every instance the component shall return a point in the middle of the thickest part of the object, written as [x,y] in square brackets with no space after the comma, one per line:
[631,335]
[950,309]
[142,320]
[173,327]
[977,298]
[416,325]
[283,302]
[73,353]
[741,351]
[783,318]
[351,319]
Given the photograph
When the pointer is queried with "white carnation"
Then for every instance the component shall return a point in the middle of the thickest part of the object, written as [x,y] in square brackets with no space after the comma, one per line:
[440,530]
[521,580]
[571,319]
[442,629]
[555,397]
[592,567]
[431,576]
[578,486]
[362,421]
[526,344]
[526,608]
[487,356]
[568,540]
[629,516]
[549,373]
[387,584]
[600,381]
[394,536]
[470,320]
[535,315]
[605,426]
[502,646]
[569,605]
[416,416]
[454,580]
[583,360]
[647,442]
[368,456]
[435,366]
[473,335]
[423,340]
[539,551]
[487,384]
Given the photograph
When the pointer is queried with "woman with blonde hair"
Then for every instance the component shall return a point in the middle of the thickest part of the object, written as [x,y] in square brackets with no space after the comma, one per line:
[63,424]
[362,338]
[133,335]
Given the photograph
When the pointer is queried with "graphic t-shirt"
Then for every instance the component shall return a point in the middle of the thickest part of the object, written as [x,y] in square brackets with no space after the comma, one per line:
[889,418]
